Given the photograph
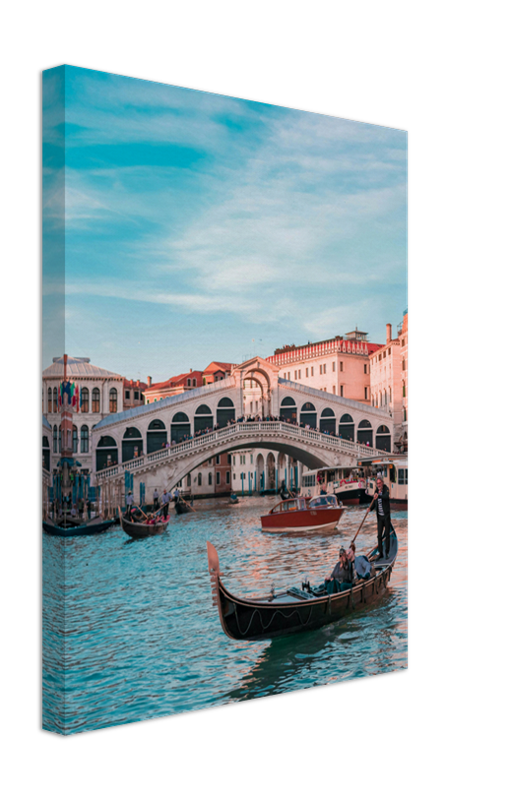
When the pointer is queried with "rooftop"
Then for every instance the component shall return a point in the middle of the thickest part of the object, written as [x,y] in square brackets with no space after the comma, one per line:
[77,368]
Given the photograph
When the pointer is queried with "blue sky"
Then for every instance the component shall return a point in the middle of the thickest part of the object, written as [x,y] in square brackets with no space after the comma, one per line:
[200,227]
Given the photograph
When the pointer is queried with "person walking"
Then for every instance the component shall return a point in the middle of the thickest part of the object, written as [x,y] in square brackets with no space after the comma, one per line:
[383,516]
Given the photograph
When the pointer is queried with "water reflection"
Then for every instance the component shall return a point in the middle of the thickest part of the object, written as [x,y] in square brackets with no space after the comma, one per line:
[144,640]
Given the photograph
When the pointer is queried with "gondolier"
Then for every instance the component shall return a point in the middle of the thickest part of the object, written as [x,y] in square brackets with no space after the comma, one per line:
[129,503]
[156,499]
[383,516]
[165,499]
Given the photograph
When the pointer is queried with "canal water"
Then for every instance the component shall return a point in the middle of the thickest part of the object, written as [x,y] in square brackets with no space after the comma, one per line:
[142,638]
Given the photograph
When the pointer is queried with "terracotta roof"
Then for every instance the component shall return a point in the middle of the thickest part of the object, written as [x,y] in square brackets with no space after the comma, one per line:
[214,366]
[128,384]
[177,380]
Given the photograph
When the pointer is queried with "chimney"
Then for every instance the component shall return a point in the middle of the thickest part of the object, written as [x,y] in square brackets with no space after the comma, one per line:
[149,380]
[138,382]
[388,328]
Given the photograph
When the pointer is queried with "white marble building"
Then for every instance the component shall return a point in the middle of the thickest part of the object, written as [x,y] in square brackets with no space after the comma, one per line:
[100,393]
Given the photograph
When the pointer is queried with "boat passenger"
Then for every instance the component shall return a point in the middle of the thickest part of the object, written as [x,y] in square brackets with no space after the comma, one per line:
[342,572]
[350,553]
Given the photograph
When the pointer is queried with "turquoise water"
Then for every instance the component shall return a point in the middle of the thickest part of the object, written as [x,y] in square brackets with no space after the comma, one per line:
[142,638]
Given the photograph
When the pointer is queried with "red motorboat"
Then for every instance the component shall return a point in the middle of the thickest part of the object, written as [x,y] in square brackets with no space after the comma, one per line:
[304,515]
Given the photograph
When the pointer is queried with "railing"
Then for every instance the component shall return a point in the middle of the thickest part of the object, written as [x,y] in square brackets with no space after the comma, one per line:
[238,431]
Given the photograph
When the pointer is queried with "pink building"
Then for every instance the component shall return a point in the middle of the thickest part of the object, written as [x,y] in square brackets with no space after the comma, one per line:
[389,382]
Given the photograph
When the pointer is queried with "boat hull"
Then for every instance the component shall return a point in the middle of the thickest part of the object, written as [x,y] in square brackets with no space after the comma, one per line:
[309,520]
[137,530]
[91,529]
[266,619]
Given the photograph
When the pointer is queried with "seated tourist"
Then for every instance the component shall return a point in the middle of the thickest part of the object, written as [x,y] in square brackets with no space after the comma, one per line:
[342,572]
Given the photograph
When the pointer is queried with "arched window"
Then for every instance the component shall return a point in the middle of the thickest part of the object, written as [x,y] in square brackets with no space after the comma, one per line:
[59,438]
[210,479]
[96,401]
[156,436]
[308,415]
[55,400]
[365,432]
[203,419]
[346,428]
[84,438]
[199,479]
[106,453]
[113,401]
[84,400]
[225,412]
[404,389]
[288,410]
[74,439]
[50,404]
[132,444]
[55,439]
[328,421]
[180,427]
[383,438]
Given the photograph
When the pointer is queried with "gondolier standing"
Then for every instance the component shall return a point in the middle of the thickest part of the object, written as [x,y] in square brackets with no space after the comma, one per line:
[129,503]
[165,499]
[156,499]
[383,516]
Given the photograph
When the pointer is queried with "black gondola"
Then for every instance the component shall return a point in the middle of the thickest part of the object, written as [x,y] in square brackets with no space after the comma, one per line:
[141,530]
[182,506]
[295,610]
[81,529]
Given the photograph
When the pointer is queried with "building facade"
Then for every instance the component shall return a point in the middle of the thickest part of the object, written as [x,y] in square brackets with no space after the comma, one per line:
[100,393]
[389,380]
[134,392]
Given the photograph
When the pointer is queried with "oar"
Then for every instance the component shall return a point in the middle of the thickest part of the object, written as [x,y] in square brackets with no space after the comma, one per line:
[362,523]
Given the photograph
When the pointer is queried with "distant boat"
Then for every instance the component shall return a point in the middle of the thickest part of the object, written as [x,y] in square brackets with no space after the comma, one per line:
[295,610]
[302,515]
[182,506]
[96,525]
[233,499]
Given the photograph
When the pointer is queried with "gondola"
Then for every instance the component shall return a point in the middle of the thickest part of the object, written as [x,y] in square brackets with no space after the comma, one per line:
[182,506]
[233,499]
[87,529]
[141,530]
[296,610]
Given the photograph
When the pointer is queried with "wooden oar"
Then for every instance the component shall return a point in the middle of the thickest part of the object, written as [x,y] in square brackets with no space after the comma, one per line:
[362,523]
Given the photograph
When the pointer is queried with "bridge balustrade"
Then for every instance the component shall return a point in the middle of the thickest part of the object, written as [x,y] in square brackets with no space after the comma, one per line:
[233,431]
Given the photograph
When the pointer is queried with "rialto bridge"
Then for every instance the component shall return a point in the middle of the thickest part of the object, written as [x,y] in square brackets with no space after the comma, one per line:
[314,427]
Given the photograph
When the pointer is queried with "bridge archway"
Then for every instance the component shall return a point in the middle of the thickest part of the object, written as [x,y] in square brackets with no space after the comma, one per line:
[132,444]
[180,427]
[346,428]
[383,438]
[365,432]
[308,415]
[203,419]
[106,452]
[328,421]
[260,472]
[225,412]
[157,436]
[271,472]
[288,409]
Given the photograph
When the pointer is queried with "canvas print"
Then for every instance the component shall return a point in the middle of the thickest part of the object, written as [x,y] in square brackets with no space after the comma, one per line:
[224,400]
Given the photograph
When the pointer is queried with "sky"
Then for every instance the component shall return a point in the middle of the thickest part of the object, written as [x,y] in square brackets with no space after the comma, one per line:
[198,227]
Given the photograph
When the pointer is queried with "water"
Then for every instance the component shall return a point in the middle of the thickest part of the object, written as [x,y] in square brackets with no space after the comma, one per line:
[144,640]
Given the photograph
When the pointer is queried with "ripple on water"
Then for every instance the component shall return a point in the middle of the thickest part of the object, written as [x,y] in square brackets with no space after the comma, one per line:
[143,639]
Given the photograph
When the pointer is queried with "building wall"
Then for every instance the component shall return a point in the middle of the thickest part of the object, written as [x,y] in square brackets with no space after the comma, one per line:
[81,418]
[388,377]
